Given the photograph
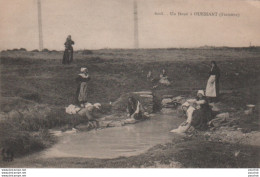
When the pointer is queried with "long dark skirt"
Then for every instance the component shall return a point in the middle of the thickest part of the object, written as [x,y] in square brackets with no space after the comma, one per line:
[200,118]
[67,56]
[82,93]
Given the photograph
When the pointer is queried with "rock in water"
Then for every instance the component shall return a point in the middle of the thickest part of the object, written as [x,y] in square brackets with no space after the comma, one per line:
[84,127]
[143,92]
[168,110]
[115,124]
[223,115]
[129,121]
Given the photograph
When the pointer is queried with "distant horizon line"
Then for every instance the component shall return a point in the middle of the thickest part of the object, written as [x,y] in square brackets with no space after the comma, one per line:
[105,48]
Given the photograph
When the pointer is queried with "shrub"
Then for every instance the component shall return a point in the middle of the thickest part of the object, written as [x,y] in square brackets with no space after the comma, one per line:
[45,50]
[32,96]
[22,142]
[87,52]
[22,49]
[35,50]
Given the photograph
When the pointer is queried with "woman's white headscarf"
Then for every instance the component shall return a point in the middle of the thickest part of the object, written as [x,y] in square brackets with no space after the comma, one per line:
[201,92]
[90,106]
[97,105]
[186,104]
[83,69]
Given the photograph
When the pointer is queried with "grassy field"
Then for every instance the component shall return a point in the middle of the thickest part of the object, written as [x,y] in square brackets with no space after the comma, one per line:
[35,86]
[115,72]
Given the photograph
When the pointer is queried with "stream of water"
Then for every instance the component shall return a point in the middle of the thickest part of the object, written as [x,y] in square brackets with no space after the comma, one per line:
[114,142]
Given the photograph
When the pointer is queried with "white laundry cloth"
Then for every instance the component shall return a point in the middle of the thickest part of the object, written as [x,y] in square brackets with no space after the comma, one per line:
[72,109]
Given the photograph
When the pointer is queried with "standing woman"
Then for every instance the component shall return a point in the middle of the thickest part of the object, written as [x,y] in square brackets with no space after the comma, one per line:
[68,53]
[212,89]
[82,89]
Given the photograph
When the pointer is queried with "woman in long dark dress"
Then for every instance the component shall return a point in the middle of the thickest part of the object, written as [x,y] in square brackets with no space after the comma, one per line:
[203,113]
[68,53]
[212,89]
[82,89]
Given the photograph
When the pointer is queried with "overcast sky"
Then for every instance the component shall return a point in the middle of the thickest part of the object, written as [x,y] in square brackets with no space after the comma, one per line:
[96,24]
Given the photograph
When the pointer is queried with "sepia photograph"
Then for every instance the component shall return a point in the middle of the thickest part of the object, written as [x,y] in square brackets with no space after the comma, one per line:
[129,84]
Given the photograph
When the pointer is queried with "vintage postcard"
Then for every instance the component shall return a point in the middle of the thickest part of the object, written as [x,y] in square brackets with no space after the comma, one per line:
[129,84]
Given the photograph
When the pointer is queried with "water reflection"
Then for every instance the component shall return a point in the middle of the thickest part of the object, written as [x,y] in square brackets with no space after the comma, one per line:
[118,141]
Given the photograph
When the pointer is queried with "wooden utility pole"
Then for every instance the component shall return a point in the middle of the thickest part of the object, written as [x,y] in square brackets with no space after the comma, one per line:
[136,38]
[40,25]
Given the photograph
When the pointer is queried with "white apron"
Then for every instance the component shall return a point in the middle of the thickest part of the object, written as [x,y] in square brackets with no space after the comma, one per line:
[211,87]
